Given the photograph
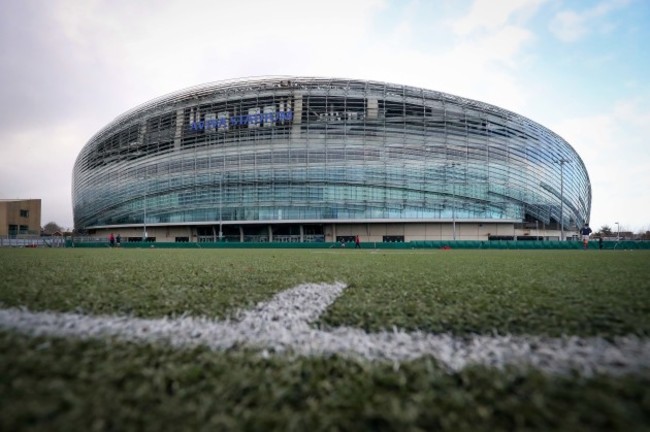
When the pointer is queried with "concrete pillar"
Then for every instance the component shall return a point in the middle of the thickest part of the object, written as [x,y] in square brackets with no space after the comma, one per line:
[373,108]
[302,234]
[297,114]
[179,130]
[141,133]
[241,234]
[270,233]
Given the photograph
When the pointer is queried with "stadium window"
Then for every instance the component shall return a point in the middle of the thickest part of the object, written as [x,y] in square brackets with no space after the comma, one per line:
[491,238]
[24,213]
[393,239]
[182,239]
[537,238]
[24,229]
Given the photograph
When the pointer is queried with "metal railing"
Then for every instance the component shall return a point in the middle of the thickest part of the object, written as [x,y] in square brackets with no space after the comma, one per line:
[31,241]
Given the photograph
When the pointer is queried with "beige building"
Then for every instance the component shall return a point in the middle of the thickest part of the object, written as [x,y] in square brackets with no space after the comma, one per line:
[20,217]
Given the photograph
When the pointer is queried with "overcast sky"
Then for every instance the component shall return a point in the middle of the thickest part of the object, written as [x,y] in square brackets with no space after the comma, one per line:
[578,67]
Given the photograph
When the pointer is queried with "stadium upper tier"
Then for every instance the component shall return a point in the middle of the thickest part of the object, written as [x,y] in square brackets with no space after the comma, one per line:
[320,150]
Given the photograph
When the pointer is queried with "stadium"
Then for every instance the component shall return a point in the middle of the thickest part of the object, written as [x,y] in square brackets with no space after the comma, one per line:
[301,159]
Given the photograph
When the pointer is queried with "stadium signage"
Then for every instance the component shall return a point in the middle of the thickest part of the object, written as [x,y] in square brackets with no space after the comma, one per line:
[241,120]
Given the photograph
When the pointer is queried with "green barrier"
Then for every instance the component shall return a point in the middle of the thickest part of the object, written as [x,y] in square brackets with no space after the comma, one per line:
[419,244]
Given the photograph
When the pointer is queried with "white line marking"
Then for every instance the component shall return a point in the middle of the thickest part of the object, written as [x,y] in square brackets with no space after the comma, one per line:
[282,326]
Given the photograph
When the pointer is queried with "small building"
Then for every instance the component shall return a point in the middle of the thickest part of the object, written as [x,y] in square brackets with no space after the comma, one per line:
[20,217]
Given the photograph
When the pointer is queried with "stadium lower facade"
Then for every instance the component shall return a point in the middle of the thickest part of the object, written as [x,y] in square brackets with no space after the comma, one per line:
[318,159]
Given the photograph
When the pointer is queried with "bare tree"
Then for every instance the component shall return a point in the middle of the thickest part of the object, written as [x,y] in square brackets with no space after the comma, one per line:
[51,227]
[643,233]
[605,231]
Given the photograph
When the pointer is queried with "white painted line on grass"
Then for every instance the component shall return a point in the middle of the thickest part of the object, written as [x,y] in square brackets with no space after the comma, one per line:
[282,325]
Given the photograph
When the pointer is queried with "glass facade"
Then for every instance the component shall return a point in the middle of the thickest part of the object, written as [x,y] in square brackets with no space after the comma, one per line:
[282,149]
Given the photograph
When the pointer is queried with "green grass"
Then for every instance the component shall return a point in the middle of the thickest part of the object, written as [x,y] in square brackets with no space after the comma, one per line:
[62,385]
[594,293]
[57,384]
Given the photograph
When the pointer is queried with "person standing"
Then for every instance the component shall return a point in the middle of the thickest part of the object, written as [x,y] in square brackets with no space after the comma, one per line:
[357,242]
[118,240]
[111,240]
[585,232]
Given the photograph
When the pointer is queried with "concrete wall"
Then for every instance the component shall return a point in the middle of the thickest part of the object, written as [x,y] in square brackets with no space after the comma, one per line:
[369,232]
[425,231]
[162,234]
[433,231]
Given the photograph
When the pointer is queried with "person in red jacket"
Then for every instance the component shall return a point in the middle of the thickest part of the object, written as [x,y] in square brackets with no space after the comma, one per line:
[357,242]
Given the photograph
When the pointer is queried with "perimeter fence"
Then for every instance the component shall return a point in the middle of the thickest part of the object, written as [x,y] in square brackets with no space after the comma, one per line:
[458,244]
[33,242]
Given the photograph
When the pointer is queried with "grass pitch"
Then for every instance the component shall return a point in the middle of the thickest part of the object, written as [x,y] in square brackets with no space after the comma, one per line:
[63,384]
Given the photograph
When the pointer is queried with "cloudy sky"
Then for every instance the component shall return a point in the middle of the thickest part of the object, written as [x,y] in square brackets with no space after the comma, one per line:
[578,67]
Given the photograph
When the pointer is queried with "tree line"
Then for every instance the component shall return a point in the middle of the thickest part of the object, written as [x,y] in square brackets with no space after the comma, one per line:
[607,231]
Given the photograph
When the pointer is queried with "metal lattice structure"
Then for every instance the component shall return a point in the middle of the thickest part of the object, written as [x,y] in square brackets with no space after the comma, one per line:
[289,150]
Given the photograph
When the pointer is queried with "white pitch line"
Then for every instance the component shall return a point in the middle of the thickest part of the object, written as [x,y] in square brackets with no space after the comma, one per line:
[281,325]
